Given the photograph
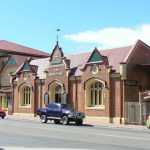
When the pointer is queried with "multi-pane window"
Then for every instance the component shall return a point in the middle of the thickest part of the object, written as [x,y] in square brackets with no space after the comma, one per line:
[96,94]
[27,96]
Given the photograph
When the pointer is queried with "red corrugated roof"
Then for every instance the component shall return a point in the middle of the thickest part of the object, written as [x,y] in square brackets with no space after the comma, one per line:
[16,48]
[20,59]
[115,57]
[78,61]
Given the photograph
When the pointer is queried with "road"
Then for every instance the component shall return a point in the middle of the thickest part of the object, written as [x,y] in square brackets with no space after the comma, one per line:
[16,134]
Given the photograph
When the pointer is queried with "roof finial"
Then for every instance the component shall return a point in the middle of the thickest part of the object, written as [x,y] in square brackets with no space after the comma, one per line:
[57,35]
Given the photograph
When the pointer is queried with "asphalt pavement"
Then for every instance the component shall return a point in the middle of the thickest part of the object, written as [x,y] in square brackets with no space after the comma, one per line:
[91,121]
[25,134]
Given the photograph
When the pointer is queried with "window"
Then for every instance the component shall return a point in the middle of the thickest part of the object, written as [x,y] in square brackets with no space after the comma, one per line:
[95,69]
[51,106]
[46,99]
[26,96]
[57,106]
[96,91]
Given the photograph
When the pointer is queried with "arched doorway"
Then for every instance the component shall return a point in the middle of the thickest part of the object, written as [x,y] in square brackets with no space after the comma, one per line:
[56,92]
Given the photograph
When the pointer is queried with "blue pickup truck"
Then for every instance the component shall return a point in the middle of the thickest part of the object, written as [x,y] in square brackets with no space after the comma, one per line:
[60,113]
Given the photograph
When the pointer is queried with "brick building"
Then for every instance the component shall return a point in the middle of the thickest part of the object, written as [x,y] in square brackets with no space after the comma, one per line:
[98,83]
[11,58]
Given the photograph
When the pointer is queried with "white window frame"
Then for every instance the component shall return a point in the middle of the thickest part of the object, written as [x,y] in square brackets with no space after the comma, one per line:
[25,96]
[88,100]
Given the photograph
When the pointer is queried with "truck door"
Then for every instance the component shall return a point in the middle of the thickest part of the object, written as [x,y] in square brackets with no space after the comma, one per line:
[50,110]
[57,110]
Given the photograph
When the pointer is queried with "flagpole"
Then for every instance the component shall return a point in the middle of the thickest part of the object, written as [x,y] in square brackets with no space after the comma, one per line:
[57,35]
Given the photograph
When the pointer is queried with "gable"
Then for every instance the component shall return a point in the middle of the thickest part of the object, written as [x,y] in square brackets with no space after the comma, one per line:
[144,51]
[11,61]
[26,67]
[5,75]
[95,57]
[57,58]
[57,55]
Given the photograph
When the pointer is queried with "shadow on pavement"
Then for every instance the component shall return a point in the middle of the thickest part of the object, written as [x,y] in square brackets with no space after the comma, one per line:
[72,124]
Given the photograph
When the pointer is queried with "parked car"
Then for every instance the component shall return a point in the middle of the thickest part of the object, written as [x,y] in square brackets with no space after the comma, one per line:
[60,113]
[2,113]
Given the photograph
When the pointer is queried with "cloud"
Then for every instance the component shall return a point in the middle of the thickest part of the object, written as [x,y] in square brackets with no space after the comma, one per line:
[113,37]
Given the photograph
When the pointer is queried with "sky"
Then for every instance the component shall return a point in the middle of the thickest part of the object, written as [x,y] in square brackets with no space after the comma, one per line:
[83,24]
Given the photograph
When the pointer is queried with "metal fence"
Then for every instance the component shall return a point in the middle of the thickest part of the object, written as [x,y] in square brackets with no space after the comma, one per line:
[136,113]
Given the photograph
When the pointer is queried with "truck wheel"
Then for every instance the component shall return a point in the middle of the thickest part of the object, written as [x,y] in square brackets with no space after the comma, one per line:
[64,120]
[56,121]
[79,122]
[43,118]
[2,117]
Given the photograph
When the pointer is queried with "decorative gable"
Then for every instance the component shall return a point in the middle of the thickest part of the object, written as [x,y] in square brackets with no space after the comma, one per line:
[57,54]
[57,57]
[95,57]
[26,67]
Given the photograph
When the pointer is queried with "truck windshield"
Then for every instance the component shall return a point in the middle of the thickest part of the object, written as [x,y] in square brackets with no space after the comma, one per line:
[66,106]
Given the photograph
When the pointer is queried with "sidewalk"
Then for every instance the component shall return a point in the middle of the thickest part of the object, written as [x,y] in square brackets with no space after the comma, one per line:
[87,121]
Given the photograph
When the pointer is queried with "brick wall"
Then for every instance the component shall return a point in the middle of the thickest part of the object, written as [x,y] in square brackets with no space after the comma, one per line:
[30,81]
[141,55]
[103,75]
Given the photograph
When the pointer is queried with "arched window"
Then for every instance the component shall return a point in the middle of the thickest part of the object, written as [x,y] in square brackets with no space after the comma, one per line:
[96,94]
[46,98]
[25,96]
[94,91]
